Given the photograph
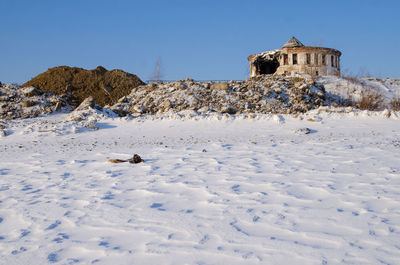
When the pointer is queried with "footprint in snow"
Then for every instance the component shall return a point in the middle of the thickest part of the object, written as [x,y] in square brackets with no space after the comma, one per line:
[4,171]
[236,188]
[52,257]
[108,196]
[24,233]
[204,239]
[27,187]
[104,244]
[54,225]
[21,249]
[61,237]
[157,206]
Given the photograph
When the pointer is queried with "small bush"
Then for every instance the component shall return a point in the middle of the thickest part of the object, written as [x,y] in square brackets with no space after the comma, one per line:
[352,79]
[370,100]
[395,104]
[355,78]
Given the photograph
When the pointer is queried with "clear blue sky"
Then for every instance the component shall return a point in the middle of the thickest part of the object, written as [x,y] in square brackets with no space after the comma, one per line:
[203,39]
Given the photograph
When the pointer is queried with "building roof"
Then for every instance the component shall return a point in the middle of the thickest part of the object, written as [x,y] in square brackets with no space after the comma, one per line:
[293,42]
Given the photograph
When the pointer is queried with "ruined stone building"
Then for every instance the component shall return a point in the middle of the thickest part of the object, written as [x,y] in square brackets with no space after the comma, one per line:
[295,57]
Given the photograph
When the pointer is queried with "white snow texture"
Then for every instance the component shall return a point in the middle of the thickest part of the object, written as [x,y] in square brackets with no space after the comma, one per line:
[319,188]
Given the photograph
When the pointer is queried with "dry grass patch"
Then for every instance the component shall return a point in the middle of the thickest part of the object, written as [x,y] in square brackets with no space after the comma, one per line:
[395,103]
[370,100]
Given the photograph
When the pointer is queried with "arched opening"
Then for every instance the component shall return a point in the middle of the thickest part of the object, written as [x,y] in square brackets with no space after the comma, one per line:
[266,66]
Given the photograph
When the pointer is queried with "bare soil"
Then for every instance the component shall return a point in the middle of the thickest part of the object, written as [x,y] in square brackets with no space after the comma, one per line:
[106,87]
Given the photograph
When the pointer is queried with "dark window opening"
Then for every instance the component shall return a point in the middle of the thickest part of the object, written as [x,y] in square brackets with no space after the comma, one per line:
[323,59]
[316,58]
[294,57]
[316,73]
[265,67]
[308,58]
[285,59]
[332,64]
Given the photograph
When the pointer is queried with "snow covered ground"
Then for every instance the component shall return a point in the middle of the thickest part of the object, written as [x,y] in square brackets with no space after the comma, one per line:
[211,191]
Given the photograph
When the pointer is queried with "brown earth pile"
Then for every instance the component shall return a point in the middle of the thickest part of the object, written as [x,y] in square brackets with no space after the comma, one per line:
[106,87]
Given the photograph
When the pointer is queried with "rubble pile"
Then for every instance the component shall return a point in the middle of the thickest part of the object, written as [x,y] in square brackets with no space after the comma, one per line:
[87,114]
[28,102]
[260,94]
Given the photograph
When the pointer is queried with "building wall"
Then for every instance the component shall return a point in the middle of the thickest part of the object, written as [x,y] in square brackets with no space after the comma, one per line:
[315,65]
[253,70]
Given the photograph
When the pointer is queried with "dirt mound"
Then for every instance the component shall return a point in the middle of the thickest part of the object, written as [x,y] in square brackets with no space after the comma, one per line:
[106,87]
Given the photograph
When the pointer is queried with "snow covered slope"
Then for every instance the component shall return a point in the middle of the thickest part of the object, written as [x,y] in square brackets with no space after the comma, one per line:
[389,88]
[212,190]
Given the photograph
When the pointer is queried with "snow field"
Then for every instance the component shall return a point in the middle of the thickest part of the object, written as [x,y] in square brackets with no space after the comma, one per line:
[210,192]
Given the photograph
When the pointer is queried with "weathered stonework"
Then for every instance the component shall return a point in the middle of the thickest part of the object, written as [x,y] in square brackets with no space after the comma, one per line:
[295,57]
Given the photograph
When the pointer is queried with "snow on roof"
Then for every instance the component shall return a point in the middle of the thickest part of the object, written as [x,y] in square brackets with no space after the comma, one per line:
[268,54]
[265,55]
[293,42]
